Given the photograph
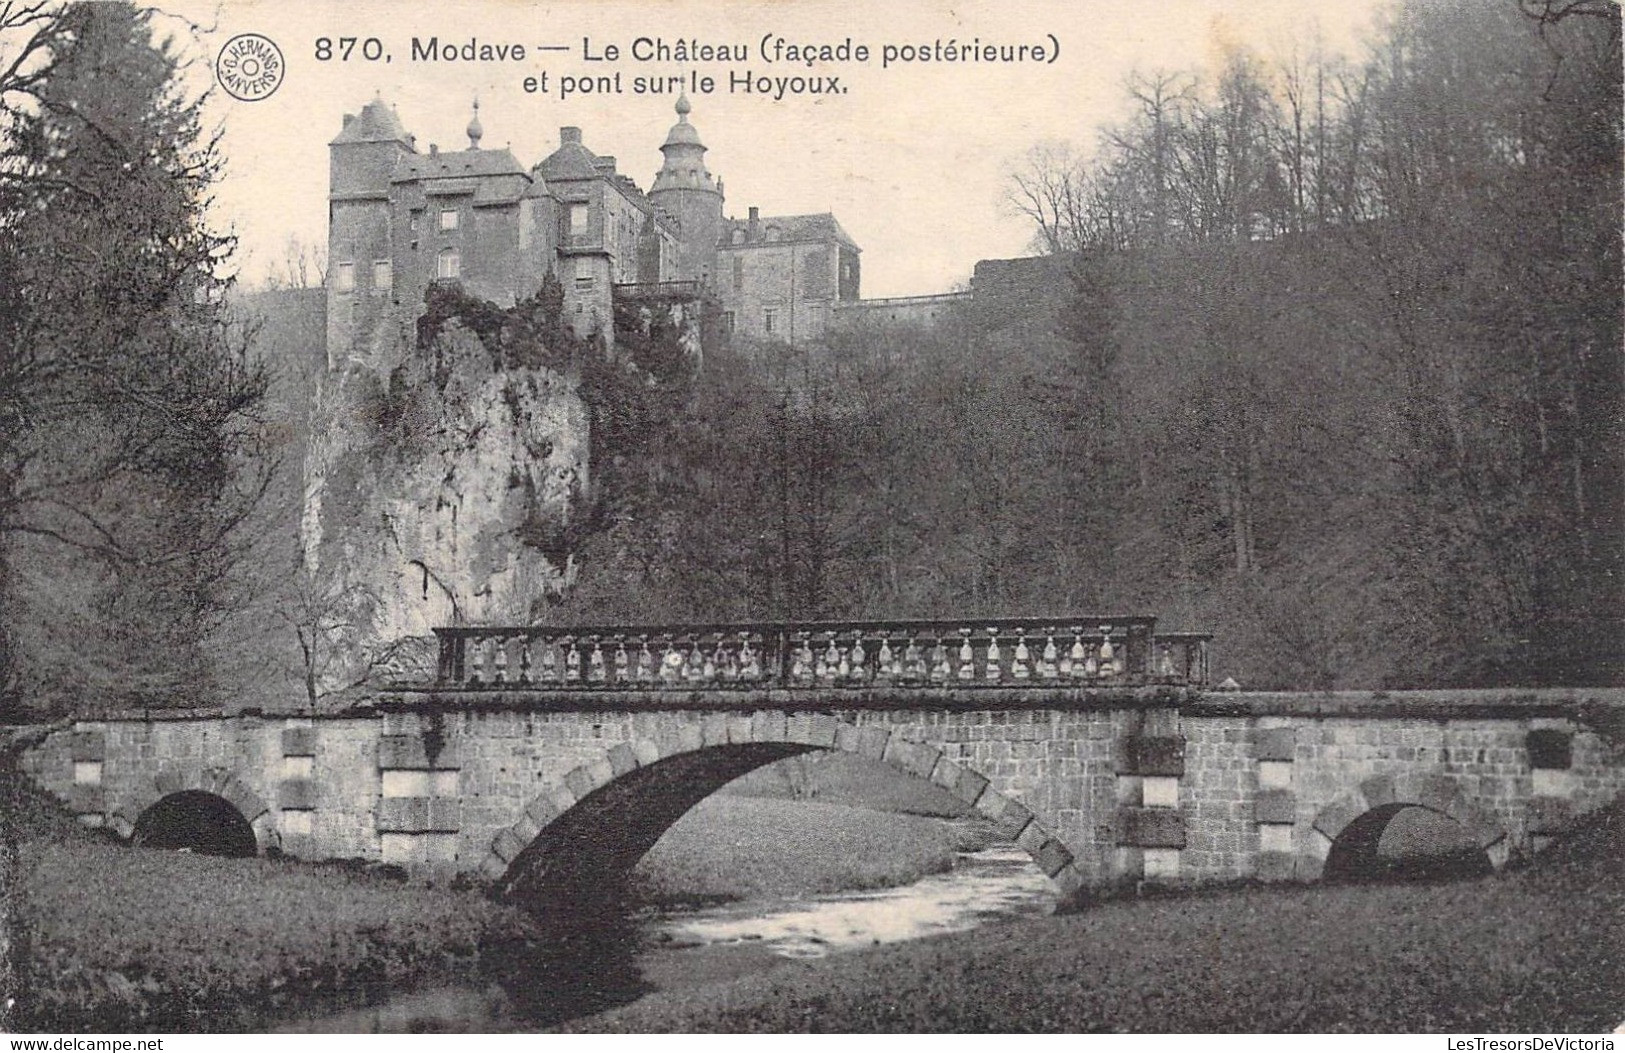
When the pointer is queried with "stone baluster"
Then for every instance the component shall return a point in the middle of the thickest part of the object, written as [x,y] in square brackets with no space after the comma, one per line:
[967,658]
[476,660]
[550,667]
[726,663]
[572,660]
[671,661]
[914,661]
[829,662]
[750,663]
[995,657]
[1049,665]
[1078,658]
[595,664]
[524,660]
[886,667]
[694,667]
[646,662]
[941,670]
[1021,663]
[622,661]
[859,660]
[802,666]
[1110,663]
[499,660]
[1165,660]
[710,668]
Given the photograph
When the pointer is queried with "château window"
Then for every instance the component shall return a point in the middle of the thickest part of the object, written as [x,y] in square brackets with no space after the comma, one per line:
[769,316]
[578,219]
[451,264]
[583,271]
[739,272]
[738,237]
[383,275]
[344,278]
[728,320]
[448,219]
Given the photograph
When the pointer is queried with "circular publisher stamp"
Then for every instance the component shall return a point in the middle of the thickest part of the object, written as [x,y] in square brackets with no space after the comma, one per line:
[250,67]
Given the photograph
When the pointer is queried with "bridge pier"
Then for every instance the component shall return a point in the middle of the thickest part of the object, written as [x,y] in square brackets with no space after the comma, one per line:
[1101,789]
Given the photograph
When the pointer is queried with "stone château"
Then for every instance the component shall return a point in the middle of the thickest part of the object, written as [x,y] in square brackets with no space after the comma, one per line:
[401,219]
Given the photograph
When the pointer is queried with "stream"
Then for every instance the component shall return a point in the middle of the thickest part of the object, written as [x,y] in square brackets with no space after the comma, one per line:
[623,959]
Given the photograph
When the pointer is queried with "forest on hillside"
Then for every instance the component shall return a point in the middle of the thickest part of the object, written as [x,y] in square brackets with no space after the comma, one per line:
[1333,371]
[1321,354]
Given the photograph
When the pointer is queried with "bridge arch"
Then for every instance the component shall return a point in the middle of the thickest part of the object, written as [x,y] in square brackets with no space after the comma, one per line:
[198,802]
[603,816]
[1350,825]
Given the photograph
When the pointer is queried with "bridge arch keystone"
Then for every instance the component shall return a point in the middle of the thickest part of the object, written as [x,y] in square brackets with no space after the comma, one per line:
[779,735]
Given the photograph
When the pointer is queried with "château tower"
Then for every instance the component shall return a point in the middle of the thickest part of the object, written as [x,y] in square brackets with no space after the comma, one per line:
[359,248]
[685,190]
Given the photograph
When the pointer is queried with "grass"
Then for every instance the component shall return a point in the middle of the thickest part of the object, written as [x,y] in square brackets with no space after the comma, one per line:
[1538,950]
[731,847]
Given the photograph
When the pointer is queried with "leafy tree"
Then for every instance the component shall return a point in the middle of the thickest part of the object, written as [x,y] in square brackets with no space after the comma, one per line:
[128,401]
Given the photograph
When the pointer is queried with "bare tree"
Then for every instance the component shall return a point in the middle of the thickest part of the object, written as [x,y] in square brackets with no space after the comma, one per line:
[303,265]
[1050,188]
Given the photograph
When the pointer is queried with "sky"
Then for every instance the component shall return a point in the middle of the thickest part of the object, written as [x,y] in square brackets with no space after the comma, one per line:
[912,157]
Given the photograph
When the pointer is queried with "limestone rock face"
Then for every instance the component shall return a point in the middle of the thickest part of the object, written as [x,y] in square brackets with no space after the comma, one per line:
[441,491]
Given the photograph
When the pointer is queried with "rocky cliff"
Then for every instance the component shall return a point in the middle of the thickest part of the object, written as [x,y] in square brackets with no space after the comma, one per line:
[447,477]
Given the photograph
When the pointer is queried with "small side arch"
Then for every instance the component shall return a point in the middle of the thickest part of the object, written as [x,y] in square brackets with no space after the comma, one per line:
[190,790]
[1384,795]
[589,811]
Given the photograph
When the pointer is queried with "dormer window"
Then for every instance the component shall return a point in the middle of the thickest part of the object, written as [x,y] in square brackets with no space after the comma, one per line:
[448,219]
[344,278]
[738,237]
[772,233]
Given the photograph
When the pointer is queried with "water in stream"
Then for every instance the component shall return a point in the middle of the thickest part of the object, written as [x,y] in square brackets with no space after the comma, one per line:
[620,960]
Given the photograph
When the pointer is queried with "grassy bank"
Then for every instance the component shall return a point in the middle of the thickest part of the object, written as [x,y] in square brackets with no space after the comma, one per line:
[1538,950]
[731,847]
[122,936]
[112,938]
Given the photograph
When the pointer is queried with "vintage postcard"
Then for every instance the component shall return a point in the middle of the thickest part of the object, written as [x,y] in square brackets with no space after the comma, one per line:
[725,515]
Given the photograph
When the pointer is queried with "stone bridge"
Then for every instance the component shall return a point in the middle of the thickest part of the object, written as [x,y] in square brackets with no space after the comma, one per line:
[541,759]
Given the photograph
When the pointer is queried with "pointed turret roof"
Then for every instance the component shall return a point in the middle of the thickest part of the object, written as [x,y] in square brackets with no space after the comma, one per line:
[376,123]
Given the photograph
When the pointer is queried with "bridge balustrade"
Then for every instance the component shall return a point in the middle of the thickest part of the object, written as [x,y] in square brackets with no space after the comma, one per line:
[1082,652]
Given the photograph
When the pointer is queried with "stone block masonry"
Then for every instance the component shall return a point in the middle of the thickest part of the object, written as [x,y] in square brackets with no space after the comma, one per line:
[1098,790]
